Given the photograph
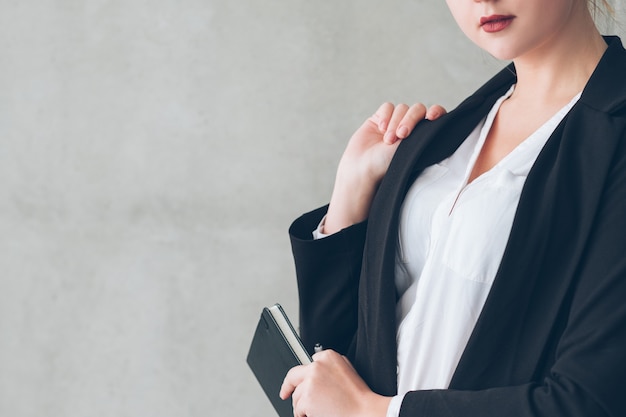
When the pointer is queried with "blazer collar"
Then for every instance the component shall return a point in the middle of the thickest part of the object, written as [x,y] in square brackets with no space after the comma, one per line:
[606,96]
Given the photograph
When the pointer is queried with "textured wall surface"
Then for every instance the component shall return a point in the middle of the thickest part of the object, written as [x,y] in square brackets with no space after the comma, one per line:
[152,156]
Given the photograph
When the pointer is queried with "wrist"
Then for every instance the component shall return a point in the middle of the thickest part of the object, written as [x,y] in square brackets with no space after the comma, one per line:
[376,406]
[350,202]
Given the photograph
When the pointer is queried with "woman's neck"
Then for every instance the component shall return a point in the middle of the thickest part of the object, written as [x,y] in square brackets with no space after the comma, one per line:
[560,69]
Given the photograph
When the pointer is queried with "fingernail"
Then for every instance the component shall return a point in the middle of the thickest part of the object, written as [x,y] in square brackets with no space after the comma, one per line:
[403,132]
[432,115]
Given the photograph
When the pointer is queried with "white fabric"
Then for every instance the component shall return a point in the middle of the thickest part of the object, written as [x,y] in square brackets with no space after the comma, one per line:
[451,239]
[452,236]
[318,233]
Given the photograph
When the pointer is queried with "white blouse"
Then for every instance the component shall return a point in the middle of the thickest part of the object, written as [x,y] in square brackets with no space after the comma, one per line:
[451,239]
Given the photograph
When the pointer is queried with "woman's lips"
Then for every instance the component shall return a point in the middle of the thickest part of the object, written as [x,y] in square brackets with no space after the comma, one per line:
[495,23]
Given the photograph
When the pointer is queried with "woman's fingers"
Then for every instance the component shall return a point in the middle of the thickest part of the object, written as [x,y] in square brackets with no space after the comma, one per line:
[382,116]
[398,114]
[398,121]
[293,378]
[435,111]
[331,386]
[415,114]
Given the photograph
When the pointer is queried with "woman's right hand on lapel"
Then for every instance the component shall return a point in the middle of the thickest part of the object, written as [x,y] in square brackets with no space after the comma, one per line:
[366,159]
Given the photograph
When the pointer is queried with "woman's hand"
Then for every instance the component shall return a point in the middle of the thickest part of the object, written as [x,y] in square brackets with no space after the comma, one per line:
[331,387]
[366,159]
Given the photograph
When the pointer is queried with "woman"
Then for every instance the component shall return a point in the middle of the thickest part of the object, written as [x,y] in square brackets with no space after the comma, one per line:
[480,269]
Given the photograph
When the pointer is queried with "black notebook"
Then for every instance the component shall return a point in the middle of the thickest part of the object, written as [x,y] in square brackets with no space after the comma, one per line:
[275,348]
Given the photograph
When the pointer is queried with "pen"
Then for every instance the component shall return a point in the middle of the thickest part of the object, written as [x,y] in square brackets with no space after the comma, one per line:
[318,348]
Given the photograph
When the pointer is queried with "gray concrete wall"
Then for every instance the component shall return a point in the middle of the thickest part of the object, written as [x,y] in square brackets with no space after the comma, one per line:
[152,156]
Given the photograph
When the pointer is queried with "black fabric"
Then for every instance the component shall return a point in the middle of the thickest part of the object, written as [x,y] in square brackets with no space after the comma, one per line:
[551,338]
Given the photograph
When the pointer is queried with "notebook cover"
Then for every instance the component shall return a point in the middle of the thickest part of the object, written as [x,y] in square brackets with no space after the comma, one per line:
[270,358]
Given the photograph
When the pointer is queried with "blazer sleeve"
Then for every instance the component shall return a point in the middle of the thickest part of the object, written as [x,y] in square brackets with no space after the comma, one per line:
[588,374]
[327,273]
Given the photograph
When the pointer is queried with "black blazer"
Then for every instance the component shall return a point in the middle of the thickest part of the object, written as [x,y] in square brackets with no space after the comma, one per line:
[551,339]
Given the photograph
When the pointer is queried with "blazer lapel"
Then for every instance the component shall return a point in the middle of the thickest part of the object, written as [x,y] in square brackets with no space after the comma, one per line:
[518,330]
[552,220]
[430,143]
